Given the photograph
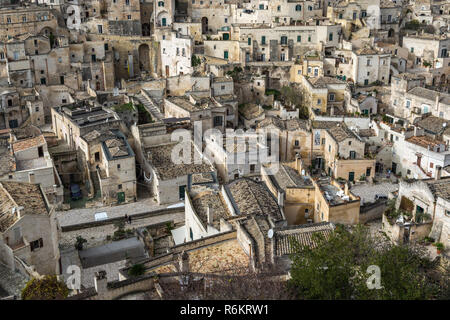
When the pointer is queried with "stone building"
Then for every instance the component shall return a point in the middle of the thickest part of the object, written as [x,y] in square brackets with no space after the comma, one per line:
[28,229]
[28,160]
[345,155]
[16,20]
[370,66]
[294,137]
[295,193]
[325,94]
[428,50]
[335,203]
[424,201]
[112,163]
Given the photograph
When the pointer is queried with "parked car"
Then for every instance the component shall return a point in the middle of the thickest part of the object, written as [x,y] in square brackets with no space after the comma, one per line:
[75,192]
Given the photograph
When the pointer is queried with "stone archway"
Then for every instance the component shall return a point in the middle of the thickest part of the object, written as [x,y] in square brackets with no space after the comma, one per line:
[144,57]
[391,33]
[204,25]
[47,31]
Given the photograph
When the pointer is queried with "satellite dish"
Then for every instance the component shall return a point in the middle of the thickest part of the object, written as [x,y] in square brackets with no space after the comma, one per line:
[303,172]
[270,233]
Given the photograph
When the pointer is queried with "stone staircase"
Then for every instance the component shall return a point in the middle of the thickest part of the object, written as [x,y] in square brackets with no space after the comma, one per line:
[149,105]
[95,182]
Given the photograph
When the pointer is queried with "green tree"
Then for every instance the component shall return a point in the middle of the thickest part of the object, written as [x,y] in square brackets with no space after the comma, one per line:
[336,268]
[47,288]
[296,97]
[137,270]
[195,61]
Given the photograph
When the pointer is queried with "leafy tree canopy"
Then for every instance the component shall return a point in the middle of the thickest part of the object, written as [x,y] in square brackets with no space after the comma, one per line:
[47,288]
[337,268]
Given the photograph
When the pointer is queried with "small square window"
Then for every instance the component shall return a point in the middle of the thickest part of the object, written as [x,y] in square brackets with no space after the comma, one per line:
[119,187]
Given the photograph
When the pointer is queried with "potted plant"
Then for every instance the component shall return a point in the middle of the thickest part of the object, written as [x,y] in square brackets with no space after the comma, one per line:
[439,247]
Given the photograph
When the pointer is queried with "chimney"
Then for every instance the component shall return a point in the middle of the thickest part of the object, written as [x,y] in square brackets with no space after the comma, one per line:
[184,262]
[415,131]
[209,216]
[436,104]
[332,111]
[101,282]
[280,198]
[437,173]
[346,189]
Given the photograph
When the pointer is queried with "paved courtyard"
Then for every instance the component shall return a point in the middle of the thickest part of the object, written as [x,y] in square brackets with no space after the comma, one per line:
[76,216]
[367,192]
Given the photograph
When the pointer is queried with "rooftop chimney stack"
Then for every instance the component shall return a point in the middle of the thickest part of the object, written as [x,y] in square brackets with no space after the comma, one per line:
[184,262]
[436,104]
[101,282]
[437,173]
[209,215]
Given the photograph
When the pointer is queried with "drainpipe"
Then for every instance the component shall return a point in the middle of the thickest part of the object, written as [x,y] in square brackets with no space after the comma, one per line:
[311,152]
[286,149]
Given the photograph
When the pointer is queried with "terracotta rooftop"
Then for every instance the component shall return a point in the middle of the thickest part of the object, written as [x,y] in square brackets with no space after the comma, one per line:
[367,133]
[428,94]
[18,194]
[366,51]
[203,198]
[341,132]
[218,258]
[321,82]
[290,124]
[424,141]
[440,188]
[303,235]
[287,177]
[434,124]
[324,124]
[28,143]
[161,159]
[251,197]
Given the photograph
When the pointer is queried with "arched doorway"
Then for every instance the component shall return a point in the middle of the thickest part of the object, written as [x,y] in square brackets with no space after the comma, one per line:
[146,29]
[391,33]
[204,25]
[144,57]
[46,31]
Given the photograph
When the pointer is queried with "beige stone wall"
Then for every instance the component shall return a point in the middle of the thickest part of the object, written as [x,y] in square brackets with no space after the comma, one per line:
[216,49]
[359,167]
[33,227]
[347,213]
[37,20]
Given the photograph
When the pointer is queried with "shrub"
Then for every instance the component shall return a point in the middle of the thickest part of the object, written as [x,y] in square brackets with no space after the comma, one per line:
[136,270]
[79,243]
[48,288]
[196,61]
